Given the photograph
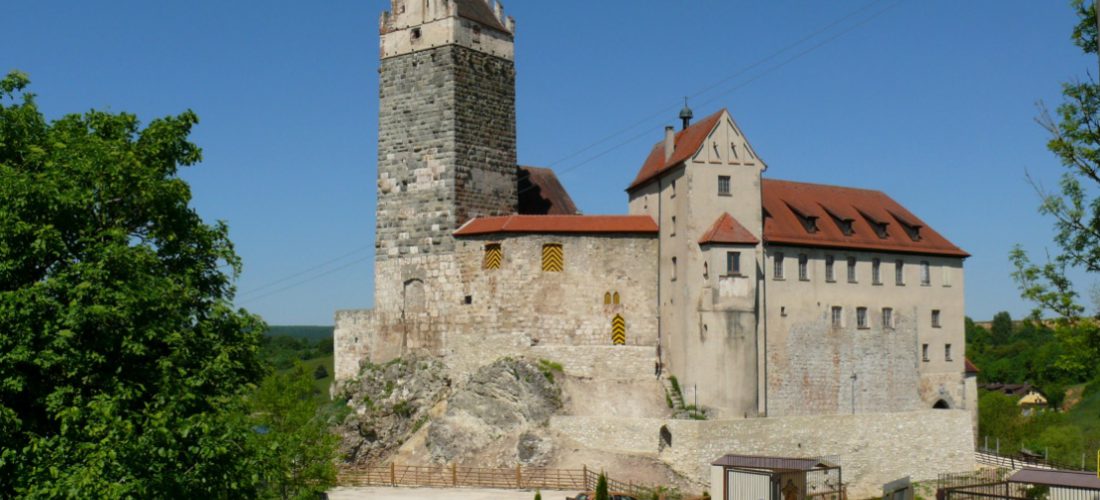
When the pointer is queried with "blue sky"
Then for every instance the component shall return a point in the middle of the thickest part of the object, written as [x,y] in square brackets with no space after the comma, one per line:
[932,102]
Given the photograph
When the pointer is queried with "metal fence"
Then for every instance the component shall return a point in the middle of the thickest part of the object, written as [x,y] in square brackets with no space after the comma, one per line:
[991,457]
[995,484]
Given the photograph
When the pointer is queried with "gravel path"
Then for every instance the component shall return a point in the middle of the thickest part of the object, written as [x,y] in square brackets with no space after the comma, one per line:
[440,494]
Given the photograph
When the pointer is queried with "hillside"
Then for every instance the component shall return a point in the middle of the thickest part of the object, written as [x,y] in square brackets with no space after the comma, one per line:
[313,333]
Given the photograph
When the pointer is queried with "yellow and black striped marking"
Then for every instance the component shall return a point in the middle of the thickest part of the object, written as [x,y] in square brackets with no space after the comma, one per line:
[553,260]
[493,256]
[618,330]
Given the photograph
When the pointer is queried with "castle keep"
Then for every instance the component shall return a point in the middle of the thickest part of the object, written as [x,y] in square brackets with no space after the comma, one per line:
[768,298]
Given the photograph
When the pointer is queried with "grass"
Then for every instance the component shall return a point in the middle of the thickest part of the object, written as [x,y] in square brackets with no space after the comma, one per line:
[320,386]
[548,368]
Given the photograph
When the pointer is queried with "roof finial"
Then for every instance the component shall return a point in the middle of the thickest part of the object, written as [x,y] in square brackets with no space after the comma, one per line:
[685,114]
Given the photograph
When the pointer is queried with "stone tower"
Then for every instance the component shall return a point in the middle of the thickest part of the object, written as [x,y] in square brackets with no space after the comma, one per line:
[447,134]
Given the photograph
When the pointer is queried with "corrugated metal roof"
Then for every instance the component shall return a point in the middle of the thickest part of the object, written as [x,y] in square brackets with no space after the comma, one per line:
[560,224]
[1062,478]
[771,463]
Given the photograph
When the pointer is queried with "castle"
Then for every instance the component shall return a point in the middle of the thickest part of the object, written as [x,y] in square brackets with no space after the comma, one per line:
[766,298]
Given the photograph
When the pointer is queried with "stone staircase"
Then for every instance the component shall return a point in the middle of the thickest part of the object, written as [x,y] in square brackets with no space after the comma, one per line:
[674,395]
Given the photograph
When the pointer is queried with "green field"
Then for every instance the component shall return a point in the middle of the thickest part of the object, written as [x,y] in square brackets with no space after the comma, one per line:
[284,347]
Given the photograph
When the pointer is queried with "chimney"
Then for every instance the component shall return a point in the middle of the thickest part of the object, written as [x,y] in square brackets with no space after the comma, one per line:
[670,141]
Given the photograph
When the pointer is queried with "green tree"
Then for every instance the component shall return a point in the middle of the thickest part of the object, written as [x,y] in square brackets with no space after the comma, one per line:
[999,419]
[122,360]
[601,488]
[1075,208]
[299,451]
[1001,329]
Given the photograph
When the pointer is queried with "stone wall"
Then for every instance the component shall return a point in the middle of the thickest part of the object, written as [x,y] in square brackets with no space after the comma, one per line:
[473,316]
[811,373]
[446,146]
[873,448]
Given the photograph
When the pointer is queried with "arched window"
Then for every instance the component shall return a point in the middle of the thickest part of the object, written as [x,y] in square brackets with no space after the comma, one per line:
[941,405]
[616,298]
[607,299]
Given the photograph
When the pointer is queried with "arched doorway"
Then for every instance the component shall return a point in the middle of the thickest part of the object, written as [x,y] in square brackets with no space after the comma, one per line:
[942,405]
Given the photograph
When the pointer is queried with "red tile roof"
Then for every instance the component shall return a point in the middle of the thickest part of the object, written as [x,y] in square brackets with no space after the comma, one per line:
[727,230]
[540,193]
[559,224]
[688,142]
[791,206]
[480,11]
[970,368]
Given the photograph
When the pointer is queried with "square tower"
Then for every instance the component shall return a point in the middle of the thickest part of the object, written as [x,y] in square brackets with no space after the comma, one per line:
[447,125]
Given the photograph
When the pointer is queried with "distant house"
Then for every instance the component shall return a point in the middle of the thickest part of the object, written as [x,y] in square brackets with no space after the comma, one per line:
[1031,398]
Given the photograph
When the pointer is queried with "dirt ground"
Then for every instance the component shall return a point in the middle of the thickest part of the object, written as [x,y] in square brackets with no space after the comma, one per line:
[440,494]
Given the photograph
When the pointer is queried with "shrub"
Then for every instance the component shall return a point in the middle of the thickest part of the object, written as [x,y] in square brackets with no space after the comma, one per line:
[601,488]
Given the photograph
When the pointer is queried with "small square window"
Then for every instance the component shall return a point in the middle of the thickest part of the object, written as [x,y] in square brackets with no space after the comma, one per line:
[777,263]
[851,269]
[935,318]
[803,267]
[838,316]
[733,263]
[861,318]
[830,269]
[723,185]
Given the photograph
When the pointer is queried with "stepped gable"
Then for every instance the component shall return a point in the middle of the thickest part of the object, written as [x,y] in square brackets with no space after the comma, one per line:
[560,224]
[726,230]
[480,11]
[816,215]
[540,193]
[688,142]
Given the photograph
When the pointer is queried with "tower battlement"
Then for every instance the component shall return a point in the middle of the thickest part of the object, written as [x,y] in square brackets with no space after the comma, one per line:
[416,25]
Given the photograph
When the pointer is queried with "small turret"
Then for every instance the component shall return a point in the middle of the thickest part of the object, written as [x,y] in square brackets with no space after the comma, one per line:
[686,114]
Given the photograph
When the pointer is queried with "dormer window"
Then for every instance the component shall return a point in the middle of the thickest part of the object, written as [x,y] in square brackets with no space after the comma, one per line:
[912,229]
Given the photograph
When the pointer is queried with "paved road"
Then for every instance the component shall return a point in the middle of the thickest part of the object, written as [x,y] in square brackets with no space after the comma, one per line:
[440,494]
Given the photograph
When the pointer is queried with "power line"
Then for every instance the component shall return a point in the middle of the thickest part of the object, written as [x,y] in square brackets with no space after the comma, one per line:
[307,271]
[636,124]
[307,280]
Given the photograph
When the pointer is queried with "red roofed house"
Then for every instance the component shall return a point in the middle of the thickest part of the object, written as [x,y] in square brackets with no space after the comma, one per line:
[787,298]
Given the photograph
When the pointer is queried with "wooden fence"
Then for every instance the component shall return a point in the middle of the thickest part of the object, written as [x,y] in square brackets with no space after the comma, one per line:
[453,476]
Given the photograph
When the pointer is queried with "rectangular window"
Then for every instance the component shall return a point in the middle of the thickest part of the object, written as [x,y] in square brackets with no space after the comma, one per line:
[672,228]
[861,318]
[899,272]
[947,352]
[946,275]
[876,272]
[723,185]
[777,271]
[673,189]
[830,269]
[838,316]
[887,317]
[851,269]
[553,258]
[803,267]
[493,256]
[674,270]
[733,263]
[935,318]
[924,352]
[925,273]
